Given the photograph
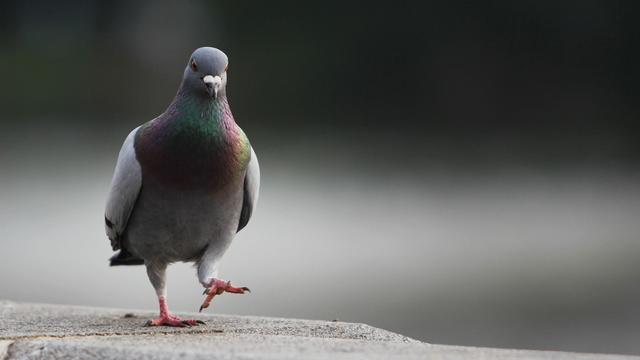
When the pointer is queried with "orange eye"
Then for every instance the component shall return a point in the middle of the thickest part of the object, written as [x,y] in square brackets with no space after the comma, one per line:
[194,66]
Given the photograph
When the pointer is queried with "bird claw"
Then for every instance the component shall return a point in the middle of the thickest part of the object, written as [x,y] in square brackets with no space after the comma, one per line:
[217,287]
[170,320]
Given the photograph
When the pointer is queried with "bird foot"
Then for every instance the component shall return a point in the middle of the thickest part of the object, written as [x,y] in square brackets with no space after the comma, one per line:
[217,287]
[172,320]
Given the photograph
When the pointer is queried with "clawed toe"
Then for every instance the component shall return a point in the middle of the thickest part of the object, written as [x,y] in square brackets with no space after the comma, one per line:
[217,287]
[174,322]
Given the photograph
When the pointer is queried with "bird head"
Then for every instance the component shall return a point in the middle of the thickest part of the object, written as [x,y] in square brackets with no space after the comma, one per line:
[206,73]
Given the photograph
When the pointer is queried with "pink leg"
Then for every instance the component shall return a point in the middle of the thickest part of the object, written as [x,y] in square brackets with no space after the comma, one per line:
[168,319]
[217,287]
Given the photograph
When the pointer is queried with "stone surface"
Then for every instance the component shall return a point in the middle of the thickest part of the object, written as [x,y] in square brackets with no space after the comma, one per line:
[33,331]
[4,348]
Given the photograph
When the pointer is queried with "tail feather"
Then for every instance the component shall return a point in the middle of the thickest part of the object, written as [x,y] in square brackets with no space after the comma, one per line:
[123,257]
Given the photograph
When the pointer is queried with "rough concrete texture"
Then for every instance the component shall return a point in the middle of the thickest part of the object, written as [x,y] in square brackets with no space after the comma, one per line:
[34,331]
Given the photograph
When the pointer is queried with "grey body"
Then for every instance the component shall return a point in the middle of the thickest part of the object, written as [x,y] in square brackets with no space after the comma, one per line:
[168,226]
[160,225]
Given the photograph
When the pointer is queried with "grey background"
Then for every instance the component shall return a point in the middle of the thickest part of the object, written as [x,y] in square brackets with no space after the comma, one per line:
[462,174]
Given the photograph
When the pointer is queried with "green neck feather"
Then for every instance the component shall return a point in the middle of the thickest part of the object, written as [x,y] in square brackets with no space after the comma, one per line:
[195,143]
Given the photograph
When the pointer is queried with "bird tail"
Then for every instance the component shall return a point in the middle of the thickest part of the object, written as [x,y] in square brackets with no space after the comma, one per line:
[123,257]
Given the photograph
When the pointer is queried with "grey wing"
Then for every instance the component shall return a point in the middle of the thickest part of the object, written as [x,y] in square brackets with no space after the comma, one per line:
[251,190]
[125,187]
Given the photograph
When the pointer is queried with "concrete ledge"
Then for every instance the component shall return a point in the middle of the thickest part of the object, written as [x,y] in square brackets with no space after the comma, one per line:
[30,331]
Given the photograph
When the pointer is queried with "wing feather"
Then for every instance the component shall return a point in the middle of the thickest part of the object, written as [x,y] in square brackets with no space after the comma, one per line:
[125,187]
[251,190]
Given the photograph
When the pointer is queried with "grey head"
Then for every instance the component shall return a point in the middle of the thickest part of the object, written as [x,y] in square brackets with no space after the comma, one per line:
[206,73]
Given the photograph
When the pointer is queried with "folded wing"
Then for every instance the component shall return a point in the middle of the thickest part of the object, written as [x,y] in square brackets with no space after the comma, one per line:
[251,190]
[125,187]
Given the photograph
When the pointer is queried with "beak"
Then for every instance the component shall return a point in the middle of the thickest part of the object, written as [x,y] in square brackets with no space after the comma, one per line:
[213,84]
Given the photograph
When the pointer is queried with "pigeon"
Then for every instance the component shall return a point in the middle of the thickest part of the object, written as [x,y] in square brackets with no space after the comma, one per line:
[185,183]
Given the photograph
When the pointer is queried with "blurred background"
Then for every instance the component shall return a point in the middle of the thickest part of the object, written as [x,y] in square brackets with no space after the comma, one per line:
[461,173]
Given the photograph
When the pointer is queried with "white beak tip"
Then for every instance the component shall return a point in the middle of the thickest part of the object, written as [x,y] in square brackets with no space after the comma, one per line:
[210,79]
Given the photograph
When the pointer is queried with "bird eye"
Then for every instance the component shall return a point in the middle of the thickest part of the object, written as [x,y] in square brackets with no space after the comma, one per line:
[194,66]
[226,68]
